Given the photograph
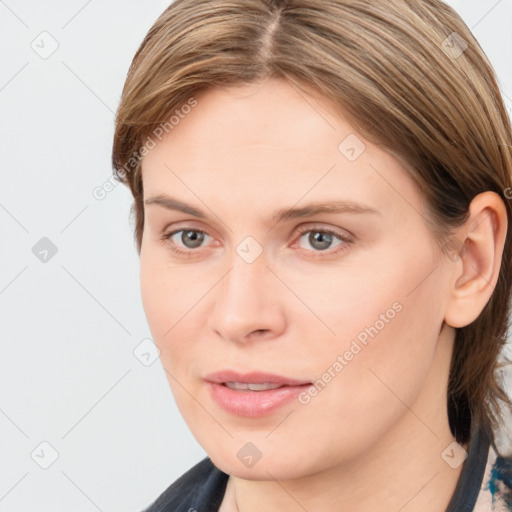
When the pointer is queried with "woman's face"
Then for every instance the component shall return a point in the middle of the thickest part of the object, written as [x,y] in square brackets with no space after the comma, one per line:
[277,241]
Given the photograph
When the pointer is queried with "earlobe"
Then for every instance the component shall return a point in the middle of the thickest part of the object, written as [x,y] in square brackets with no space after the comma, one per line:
[476,270]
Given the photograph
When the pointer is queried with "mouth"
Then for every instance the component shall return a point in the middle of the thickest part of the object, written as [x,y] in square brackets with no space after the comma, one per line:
[253,394]
[260,378]
[250,386]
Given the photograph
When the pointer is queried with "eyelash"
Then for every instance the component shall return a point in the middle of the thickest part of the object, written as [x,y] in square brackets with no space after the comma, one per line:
[301,230]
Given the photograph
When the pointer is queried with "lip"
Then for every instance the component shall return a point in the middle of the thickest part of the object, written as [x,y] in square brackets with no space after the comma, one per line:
[253,403]
[223,376]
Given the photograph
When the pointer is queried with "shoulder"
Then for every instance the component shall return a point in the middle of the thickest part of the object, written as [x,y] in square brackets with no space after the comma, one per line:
[201,488]
[496,491]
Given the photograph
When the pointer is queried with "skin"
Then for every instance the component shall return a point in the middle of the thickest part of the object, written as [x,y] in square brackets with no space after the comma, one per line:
[372,438]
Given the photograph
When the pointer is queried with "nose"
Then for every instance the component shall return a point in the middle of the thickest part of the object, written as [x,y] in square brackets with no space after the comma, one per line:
[248,303]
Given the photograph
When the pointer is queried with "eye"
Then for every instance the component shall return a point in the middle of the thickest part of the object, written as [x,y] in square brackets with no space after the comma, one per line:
[322,239]
[190,239]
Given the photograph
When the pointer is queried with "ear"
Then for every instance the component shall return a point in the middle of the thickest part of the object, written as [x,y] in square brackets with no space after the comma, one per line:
[476,269]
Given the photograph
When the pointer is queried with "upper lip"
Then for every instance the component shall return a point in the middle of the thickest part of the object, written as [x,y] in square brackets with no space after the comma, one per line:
[224,376]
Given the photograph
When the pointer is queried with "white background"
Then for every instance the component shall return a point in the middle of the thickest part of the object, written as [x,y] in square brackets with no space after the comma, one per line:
[69,326]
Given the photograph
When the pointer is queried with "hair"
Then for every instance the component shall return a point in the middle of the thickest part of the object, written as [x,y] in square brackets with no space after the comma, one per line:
[408,74]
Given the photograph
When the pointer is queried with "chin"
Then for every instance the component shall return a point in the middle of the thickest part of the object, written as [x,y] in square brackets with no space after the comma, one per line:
[273,464]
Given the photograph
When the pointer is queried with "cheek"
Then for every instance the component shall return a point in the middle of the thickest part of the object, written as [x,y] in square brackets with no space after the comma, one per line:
[162,299]
[172,307]
[385,352]
[172,302]
[155,295]
[164,291]
[385,315]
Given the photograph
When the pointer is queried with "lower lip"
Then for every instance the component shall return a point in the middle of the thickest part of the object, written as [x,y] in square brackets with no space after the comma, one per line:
[253,403]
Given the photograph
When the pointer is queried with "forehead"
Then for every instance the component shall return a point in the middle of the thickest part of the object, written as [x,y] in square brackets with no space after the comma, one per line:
[272,143]
[268,113]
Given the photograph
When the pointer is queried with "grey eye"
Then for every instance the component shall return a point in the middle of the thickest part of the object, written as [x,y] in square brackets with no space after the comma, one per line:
[191,238]
[320,240]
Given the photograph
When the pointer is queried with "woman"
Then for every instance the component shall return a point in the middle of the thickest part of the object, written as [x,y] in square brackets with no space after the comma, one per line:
[322,200]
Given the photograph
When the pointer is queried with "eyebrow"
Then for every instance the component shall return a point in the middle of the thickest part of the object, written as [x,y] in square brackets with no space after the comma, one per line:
[340,206]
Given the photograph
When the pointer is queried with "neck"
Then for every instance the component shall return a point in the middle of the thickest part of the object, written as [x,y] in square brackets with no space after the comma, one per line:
[403,471]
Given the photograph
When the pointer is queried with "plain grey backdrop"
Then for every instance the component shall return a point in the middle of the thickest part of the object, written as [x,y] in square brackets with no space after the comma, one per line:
[87,419]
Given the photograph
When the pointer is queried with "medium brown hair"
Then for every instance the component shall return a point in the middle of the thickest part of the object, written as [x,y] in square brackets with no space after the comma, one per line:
[408,75]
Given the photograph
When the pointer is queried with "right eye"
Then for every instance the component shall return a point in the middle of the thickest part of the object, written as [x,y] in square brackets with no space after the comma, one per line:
[189,238]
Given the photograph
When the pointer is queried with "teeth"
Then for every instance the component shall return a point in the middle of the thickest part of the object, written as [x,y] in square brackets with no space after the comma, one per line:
[252,386]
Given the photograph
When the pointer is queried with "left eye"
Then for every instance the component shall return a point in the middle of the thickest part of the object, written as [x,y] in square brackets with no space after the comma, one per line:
[322,239]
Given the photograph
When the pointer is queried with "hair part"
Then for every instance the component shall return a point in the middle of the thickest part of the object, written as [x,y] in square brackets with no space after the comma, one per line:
[387,67]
